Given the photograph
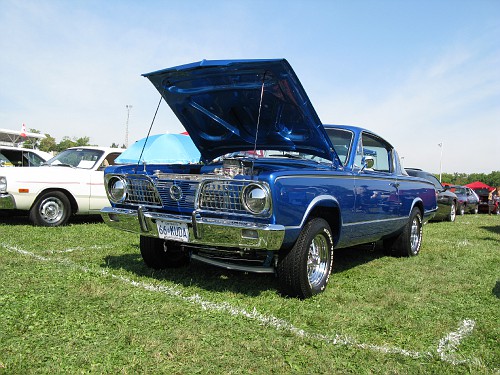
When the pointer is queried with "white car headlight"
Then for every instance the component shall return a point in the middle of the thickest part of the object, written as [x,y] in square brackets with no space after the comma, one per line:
[116,188]
[256,198]
[3,184]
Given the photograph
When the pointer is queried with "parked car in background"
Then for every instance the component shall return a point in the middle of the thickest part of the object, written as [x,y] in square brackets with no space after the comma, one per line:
[447,201]
[276,190]
[22,157]
[70,183]
[487,205]
[468,201]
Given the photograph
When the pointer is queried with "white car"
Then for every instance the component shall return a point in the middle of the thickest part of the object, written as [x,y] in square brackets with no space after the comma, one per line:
[22,157]
[70,183]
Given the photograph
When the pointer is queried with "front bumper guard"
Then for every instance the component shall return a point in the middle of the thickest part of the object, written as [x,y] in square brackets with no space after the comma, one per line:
[202,230]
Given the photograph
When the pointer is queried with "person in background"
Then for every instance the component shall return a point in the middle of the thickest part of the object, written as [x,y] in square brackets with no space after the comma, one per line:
[493,199]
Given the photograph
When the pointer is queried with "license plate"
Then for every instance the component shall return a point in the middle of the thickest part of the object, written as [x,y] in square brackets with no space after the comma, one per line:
[173,231]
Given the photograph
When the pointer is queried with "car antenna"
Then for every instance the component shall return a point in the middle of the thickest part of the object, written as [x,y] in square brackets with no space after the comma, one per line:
[258,117]
[149,132]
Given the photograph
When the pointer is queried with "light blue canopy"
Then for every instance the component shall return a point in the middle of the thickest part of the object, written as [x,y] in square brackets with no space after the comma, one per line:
[161,149]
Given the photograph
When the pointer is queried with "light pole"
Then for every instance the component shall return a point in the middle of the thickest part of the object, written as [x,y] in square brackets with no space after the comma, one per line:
[441,161]
[129,107]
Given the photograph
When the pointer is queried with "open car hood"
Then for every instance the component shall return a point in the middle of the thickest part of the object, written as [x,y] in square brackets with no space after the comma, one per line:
[238,105]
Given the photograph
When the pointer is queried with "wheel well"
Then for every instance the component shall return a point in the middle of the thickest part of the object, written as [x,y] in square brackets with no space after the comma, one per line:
[420,206]
[331,215]
[72,201]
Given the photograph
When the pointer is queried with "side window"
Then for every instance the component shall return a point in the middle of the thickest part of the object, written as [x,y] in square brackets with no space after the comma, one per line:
[109,160]
[14,156]
[376,152]
[32,160]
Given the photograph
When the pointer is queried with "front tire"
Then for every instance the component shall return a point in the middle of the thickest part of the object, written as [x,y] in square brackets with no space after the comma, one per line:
[305,269]
[159,254]
[51,209]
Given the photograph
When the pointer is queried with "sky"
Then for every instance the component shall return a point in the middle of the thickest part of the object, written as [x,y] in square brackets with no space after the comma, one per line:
[419,73]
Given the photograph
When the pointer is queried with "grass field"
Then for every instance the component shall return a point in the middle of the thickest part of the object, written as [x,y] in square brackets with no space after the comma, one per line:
[78,299]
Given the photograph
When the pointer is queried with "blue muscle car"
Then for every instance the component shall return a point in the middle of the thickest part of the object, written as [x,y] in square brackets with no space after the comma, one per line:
[275,190]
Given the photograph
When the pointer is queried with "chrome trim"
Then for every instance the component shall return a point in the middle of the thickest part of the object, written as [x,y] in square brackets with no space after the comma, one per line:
[231,266]
[268,199]
[108,179]
[376,221]
[313,203]
[202,230]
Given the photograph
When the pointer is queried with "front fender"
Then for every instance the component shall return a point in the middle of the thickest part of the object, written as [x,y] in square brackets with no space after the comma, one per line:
[325,206]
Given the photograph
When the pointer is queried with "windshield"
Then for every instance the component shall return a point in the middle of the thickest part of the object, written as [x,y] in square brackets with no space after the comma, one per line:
[341,140]
[76,158]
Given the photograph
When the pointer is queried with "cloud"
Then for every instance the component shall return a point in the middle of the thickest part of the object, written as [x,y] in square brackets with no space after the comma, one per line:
[452,98]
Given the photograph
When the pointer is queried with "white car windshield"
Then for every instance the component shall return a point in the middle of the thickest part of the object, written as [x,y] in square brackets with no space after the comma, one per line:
[76,158]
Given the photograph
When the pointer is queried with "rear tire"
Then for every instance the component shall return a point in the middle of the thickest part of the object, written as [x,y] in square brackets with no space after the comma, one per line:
[409,241]
[461,210]
[453,214]
[159,254]
[305,269]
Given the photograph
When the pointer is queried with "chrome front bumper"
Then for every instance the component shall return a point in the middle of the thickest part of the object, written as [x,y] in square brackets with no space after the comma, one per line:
[202,231]
[7,202]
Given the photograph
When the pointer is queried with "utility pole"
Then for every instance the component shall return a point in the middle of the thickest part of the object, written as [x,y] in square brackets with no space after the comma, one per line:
[129,107]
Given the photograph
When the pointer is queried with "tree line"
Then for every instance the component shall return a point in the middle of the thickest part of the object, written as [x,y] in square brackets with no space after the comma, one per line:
[492,179]
[49,143]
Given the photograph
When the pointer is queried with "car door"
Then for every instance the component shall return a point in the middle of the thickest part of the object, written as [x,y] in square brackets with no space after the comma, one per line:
[98,198]
[377,202]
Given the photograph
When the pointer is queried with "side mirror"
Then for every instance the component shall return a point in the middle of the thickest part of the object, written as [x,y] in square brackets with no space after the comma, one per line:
[367,162]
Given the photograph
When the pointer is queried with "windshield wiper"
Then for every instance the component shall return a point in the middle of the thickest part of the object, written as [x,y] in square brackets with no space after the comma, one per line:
[62,165]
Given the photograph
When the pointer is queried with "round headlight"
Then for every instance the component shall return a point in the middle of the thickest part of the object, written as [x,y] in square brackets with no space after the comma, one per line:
[3,184]
[116,188]
[256,199]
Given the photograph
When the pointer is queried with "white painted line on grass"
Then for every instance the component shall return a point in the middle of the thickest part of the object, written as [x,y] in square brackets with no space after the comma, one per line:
[448,344]
[445,350]
[78,248]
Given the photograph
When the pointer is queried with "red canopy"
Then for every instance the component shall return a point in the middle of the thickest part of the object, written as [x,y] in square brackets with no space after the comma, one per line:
[479,185]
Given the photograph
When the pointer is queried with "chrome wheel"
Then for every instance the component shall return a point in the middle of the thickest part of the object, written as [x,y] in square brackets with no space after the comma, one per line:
[453,213]
[305,269]
[318,260]
[51,210]
[415,235]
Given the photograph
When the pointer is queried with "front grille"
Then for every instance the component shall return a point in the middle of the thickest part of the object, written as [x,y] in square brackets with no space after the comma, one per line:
[140,190]
[179,193]
[222,195]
